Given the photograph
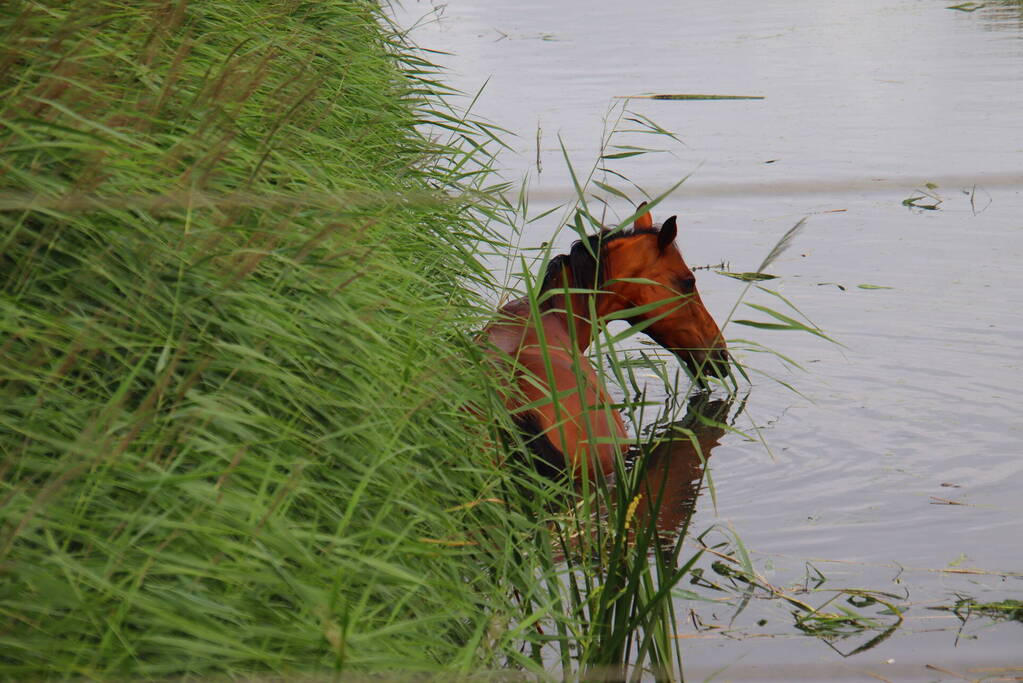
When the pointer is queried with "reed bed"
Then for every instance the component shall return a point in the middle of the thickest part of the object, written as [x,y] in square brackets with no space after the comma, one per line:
[235,357]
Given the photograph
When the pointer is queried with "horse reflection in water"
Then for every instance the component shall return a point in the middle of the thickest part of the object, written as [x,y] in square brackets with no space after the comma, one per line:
[554,393]
[660,489]
[674,466]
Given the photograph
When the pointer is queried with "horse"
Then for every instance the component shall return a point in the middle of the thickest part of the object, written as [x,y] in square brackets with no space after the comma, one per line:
[556,398]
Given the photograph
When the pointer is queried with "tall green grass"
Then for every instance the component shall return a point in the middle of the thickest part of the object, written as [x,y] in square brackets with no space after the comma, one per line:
[236,368]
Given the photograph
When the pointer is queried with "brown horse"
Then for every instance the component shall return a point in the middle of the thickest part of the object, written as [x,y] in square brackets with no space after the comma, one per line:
[557,398]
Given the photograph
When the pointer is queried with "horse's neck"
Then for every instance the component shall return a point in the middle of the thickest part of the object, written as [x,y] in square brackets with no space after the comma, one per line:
[516,327]
[571,316]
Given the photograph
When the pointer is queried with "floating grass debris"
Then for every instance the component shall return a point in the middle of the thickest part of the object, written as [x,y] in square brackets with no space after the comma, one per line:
[915,202]
[924,199]
[831,620]
[690,97]
[1001,610]
[967,6]
[747,277]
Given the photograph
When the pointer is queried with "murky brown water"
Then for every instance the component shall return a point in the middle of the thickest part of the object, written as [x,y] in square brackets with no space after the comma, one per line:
[865,103]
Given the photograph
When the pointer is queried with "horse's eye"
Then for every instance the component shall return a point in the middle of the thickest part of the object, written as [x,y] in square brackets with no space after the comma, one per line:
[686,285]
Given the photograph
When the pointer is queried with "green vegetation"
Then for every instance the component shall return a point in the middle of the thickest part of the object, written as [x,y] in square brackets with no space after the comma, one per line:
[966,6]
[1004,610]
[693,97]
[235,349]
[927,198]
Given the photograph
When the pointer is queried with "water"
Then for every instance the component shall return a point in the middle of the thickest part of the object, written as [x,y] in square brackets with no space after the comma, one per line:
[865,103]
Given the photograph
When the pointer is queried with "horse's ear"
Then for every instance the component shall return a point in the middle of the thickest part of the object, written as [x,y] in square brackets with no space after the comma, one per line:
[643,220]
[667,234]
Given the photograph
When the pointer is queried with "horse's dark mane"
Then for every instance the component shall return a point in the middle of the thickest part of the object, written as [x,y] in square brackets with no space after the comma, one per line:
[584,262]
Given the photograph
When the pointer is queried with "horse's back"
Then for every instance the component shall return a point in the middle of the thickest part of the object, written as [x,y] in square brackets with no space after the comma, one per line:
[571,406]
[567,405]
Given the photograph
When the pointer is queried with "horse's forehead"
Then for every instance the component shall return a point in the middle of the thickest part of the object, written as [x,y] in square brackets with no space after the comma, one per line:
[633,249]
[639,253]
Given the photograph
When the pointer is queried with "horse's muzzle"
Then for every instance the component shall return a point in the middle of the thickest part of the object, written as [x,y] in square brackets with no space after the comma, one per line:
[707,362]
[717,363]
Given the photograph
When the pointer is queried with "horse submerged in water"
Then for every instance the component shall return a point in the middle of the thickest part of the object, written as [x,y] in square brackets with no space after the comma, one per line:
[556,397]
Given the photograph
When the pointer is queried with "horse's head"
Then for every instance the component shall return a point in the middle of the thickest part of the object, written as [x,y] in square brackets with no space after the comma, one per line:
[643,267]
